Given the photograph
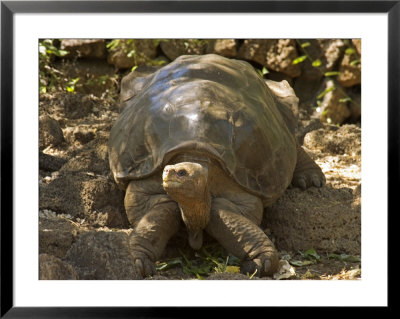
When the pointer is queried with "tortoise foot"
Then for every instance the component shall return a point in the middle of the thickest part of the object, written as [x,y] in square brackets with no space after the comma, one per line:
[265,264]
[307,172]
[144,265]
[308,178]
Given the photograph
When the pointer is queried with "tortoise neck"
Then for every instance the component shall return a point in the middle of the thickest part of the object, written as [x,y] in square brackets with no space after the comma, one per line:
[196,211]
[196,215]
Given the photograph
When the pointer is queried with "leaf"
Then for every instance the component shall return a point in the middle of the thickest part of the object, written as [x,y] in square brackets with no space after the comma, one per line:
[131,53]
[316,63]
[311,254]
[134,68]
[61,53]
[199,277]
[169,263]
[299,59]
[42,89]
[113,44]
[301,263]
[355,62]
[73,81]
[305,44]
[332,73]
[344,100]
[232,269]
[321,95]
[252,275]
[264,70]
[352,259]
[350,51]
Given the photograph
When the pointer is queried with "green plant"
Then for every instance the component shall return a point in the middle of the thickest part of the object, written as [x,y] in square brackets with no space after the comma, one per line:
[131,49]
[71,85]
[263,71]
[49,77]
[317,63]
[210,259]
[308,257]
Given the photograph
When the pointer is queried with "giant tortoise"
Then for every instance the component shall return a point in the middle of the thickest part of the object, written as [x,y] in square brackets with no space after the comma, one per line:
[205,141]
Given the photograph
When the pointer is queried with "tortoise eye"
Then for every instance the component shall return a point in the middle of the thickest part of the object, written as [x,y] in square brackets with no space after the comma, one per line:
[181,172]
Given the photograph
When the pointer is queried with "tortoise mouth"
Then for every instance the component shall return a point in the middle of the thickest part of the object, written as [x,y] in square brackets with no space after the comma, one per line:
[168,184]
[169,181]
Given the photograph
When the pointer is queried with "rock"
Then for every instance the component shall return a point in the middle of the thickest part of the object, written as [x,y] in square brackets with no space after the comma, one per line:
[53,268]
[95,48]
[306,127]
[332,50]
[82,134]
[128,53]
[175,47]
[56,236]
[333,108]
[50,163]
[274,54]
[350,71]
[333,225]
[357,45]
[343,140]
[77,106]
[50,133]
[92,158]
[355,104]
[285,271]
[103,255]
[224,47]
[84,187]
[328,52]
[95,198]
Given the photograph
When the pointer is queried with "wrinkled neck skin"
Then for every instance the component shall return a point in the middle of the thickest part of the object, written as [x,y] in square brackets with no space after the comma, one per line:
[196,216]
[195,205]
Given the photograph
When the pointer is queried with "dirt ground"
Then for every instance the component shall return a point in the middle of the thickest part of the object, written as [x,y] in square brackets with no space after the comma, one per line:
[317,231]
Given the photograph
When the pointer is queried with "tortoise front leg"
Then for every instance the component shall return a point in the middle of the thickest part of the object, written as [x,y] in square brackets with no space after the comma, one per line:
[242,238]
[155,219]
[307,172]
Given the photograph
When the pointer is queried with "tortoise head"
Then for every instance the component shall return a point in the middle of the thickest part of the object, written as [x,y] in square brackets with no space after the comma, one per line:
[187,184]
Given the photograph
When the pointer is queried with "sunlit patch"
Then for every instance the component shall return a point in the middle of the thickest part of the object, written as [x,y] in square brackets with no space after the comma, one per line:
[193,117]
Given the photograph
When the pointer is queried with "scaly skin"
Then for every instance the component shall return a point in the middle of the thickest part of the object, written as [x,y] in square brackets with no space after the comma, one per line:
[242,238]
[307,173]
[206,199]
[155,219]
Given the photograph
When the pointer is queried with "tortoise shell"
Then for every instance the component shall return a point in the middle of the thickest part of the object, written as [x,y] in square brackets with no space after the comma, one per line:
[211,105]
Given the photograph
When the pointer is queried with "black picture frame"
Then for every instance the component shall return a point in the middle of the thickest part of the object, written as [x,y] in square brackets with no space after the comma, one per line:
[9,8]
